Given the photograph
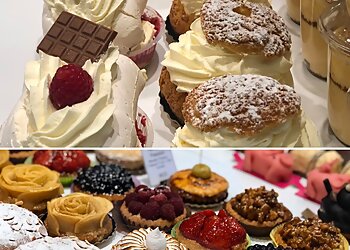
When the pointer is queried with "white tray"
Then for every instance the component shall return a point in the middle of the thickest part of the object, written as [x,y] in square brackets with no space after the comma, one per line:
[24,31]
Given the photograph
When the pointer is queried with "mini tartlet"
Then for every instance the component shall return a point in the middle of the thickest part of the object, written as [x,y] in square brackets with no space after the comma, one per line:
[199,186]
[159,207]
[258,210]
[66,162]
[107,181]
[146,238]
[81,215]
[18,226]
[30,186]
[206,230]
[131,160]
[320,235]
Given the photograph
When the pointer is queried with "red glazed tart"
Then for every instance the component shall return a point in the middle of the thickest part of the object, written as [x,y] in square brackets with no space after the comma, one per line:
[206,230]
[153,208]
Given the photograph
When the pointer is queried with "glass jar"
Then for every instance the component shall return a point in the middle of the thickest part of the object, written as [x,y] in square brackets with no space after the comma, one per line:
[314,47]
[293,9]
[335,26]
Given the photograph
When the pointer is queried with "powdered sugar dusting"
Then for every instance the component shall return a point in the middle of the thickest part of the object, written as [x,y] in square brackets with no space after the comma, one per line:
[18,226]
[237,23]
[243,103]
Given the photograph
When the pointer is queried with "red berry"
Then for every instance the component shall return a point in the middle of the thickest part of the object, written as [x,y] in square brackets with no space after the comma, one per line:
[143,196]
[130,197]
[70,85]
[167,212]
[135,207]
[178,205]
[162,190]
[222,214]
[62,161]
[141,188]
[207,213]
[150,211]
[160,198]
[192,227]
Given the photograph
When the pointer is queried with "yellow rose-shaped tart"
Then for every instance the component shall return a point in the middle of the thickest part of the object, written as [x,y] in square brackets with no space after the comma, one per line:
[30,186]
[81,215]
[4,159]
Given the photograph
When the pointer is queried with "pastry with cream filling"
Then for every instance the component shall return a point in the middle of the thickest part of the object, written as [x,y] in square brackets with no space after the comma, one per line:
[244,111]
[229,37]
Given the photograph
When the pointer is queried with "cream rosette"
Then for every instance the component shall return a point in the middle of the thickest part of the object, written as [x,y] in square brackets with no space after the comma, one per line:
[77,213]
[31,184]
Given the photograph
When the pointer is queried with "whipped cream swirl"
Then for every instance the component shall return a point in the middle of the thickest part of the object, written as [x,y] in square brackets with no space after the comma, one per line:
[192,61]
[123,16]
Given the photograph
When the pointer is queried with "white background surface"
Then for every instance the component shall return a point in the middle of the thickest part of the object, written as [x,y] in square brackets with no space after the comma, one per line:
[21,31]
[222,162]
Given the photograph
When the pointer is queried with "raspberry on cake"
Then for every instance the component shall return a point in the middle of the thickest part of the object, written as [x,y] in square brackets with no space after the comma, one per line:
[158,207]
[70,85]
[206,230]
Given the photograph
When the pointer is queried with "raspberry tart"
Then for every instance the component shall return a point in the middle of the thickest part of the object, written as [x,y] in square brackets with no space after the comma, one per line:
[258,210]
[107,181]
[199,186]
[66,162]
[158,207]
[146,238]
[320,235]
[206,230]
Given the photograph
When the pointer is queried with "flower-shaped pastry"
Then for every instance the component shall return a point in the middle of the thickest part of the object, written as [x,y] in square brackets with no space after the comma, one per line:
[30,186]
[81,215]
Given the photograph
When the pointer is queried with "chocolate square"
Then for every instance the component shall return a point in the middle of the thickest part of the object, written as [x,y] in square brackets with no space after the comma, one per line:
[76,40]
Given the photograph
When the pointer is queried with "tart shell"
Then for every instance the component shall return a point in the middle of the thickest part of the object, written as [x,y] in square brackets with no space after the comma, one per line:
[255,228]
[278,241]
[112,198]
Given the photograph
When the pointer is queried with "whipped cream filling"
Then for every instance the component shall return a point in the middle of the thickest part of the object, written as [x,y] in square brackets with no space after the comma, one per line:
[291,133]
[155,240]
[192,61]
[107,117]
[123,16]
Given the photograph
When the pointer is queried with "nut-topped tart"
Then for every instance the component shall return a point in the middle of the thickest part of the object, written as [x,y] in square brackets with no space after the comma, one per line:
[258,210]
[309,234]
[199,186]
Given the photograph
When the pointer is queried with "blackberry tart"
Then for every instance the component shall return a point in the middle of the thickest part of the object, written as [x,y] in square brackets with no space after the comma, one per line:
[107,181]
[258,210]
[159,207]
[199,186]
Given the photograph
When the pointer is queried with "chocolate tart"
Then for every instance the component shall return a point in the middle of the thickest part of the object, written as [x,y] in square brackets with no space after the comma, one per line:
[268,207]
[328,231]
[197,191]
[107,181]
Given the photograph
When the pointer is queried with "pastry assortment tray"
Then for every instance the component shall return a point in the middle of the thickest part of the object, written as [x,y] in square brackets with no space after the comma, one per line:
[24,32]
[221,162]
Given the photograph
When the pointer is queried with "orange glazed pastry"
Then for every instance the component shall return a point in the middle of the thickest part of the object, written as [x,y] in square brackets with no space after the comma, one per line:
[30,186]
[199,185]
[258,211]
[81,215]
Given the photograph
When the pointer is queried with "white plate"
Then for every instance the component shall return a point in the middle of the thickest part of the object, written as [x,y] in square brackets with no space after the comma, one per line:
[24,32]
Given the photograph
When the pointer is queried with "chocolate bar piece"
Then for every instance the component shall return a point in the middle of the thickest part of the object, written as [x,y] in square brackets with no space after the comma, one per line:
[76,40]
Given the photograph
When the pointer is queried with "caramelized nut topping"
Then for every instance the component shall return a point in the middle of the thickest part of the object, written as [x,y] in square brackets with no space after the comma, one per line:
[258,205]
[310,234]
